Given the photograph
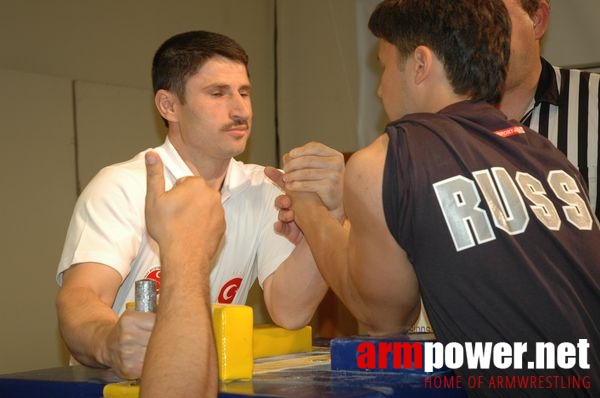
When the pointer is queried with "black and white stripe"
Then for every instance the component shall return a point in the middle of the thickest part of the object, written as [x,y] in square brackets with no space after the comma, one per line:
[572,123]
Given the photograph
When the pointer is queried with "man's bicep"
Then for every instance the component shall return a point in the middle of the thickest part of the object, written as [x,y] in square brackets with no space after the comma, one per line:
[102,280]
[384,277]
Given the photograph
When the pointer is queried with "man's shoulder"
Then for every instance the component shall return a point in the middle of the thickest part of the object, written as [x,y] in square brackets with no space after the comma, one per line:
[457,111]
[124,176]
[554,70]
[575,70]
[247,168]
[248,173]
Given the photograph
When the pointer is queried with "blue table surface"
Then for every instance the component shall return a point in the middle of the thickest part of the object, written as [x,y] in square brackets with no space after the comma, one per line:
[317,380]
[84,382]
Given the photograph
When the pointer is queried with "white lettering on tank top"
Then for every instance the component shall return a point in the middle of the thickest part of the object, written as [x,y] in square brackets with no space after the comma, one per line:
[469,224]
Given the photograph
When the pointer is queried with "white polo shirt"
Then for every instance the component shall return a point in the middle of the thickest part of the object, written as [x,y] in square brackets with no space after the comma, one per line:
[108,227]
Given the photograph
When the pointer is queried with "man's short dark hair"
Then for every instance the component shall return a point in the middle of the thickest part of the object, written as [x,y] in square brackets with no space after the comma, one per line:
[470,37]
[180,57]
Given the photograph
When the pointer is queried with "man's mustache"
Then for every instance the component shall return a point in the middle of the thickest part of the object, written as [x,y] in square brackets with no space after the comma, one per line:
[237,121]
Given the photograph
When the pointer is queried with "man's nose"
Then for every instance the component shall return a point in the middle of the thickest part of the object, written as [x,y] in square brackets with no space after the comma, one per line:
[241,107]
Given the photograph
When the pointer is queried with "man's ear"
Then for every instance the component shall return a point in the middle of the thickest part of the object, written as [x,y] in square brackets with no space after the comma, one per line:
[423,62]
[541,19]
[165,104]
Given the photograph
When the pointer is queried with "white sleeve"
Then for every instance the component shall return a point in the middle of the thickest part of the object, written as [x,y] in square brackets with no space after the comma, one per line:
[107,223]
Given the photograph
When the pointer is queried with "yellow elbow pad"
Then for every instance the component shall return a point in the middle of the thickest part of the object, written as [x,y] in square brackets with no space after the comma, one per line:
[270,340]
[233,326]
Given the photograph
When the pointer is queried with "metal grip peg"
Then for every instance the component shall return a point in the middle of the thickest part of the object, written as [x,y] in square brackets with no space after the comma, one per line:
[145,295]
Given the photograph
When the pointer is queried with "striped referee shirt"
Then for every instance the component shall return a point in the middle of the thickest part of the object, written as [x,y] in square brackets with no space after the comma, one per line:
[565,110]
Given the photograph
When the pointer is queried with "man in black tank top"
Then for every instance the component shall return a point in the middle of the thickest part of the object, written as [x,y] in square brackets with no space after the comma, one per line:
[482,218]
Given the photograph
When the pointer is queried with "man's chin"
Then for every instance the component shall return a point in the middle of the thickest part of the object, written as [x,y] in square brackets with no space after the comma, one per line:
[239,148]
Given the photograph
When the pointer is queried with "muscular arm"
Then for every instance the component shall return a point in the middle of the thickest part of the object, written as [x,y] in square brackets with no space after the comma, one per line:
[384,280]
[360,260]
[95,335]
[293,292]
[181,359]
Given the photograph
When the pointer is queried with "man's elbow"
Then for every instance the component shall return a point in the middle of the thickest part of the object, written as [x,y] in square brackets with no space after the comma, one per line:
[392,323]
[290,319]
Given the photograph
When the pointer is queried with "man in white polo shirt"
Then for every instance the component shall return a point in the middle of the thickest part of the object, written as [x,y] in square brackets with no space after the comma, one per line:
[202,91]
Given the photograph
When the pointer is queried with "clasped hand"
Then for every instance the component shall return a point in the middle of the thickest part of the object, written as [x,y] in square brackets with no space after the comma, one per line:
[313,174]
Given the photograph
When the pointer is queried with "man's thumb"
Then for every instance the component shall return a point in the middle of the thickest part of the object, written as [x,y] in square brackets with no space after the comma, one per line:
[155,179]
[275,175]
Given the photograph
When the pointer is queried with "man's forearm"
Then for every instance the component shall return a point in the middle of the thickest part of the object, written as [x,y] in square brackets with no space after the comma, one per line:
[328,240]
[293,292]
[182,345]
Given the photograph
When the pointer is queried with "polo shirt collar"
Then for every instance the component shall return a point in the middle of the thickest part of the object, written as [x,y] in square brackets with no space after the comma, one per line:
[235,178]
[547,89]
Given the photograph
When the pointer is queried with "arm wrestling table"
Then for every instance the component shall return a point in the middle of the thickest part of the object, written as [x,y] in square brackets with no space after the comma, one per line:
[299,376]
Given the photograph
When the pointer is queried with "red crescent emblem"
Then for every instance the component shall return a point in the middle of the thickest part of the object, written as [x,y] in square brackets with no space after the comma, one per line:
[155,276]
[229,290]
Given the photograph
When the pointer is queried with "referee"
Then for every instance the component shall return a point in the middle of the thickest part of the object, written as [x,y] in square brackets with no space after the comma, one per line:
[566,112]
[561,104]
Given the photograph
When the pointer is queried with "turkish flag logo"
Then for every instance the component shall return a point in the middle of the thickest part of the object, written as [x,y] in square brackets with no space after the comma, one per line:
[154,274]
[229,290]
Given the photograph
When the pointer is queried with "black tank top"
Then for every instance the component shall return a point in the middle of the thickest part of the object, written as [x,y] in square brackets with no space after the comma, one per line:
[498,227]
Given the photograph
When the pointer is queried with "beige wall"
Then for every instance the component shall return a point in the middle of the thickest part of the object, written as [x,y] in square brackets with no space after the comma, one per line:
[317,73]
[573,35]
[75,71]
[38,193]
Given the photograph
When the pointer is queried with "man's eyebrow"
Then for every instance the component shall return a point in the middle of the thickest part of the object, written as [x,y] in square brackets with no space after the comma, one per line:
[225,86]
[220,86]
